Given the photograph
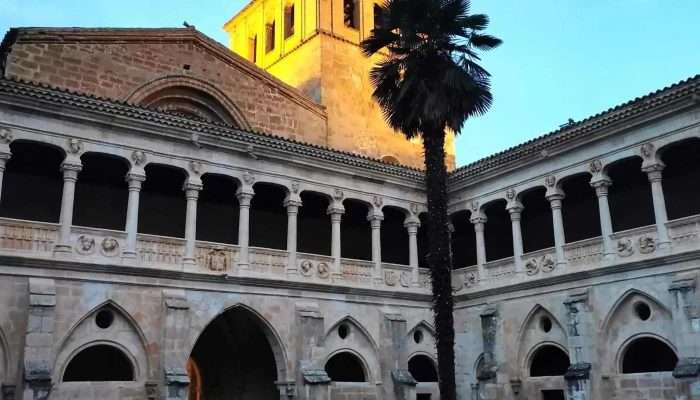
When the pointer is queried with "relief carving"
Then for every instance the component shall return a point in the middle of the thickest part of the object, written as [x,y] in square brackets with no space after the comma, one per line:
[475,205]
[647,149]
[646,244]
[596,166]
[378,201]
[414,208]
[109,247]
[551,180]
[5,135]
[510,194]
[295,187]
[216,259]
[337,194]
[625,248]
[85,245]
[457,283]
[547,263]
[390,278]
[470,279]
[196,167]
[248,178]
[322,270]
[138,158]
[307,268]
[75,146]
[532,267]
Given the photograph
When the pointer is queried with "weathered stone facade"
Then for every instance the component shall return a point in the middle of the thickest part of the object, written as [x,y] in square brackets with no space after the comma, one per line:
[170,252]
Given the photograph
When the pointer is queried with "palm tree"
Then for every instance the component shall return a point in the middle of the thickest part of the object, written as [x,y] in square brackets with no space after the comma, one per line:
[429,81]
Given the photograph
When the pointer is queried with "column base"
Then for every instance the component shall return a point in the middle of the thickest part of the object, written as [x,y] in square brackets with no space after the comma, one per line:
[129,261]
[292,271]
[415,284]
[63,248]
[378,280]
[561,265]
[190,265]
[336,276]
[663,245]
[129,254]
[243,267]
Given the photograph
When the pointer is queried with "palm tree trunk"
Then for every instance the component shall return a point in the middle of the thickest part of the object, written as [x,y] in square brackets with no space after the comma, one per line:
[440,260]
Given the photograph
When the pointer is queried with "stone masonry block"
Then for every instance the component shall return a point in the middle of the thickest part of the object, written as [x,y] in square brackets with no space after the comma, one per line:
[42,300]
[42,286]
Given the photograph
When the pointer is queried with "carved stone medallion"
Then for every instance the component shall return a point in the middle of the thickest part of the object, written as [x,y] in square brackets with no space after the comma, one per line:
[306,268]
[5,135]
[625,248]
[378,201]
[510,194]
[337,194]
[248,178]
[475,205]
[457,283]
[596,166]
[551,180]
[547,263]
[85,245]
[470,279]
[647,149]
[390,278]
[295,187]
[74,146]
[646,244]
[216,259]
[196,167]
[414,208]
[322,270]
[532,267]
[138,158]
[109,247]
[404,279]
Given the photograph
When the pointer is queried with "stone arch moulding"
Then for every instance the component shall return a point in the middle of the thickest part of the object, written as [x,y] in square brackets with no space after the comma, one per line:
[425,325]
[531,338]
[369,376]
[352,321]
[82,335]
[207,96]
[622,350]
[625,296]
[533,351]
[269,331]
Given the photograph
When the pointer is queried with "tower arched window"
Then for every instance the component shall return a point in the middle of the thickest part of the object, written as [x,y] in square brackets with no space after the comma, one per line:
[289,21]
[252,49]
[270,36]
[350,14]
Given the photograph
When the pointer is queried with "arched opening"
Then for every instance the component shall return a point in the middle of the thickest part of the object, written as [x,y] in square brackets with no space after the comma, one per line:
[351,14]
[218,210]
[498,231]
[390,159]
[536,223]
[289,17]
[236,358]
[422,368]
[101,186]
[463,241]
[313,217]
[162,202]
[32,185]
[423,240]
[580,209]
[268,217]
[189,102]
[345,367]
[356,232]
[549,360]
[99,363]
[648,354]
[394,236]
[631,203]
[680,178]
[376,11]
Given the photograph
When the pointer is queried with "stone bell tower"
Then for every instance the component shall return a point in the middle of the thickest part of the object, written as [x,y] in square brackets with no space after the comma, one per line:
[313,45]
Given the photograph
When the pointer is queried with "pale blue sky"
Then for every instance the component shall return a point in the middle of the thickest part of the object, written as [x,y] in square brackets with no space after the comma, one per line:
[560,58]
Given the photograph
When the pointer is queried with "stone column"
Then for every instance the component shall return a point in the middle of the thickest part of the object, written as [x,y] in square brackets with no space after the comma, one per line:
[244,199]
[292,212]
[37,361]
[4,157]
[191,190]
[375,221]
[132,214]
[515,214]
[657,193]
[555,201]
[336,214]
[479,222]
[70,176]
[412,227]
[601,190]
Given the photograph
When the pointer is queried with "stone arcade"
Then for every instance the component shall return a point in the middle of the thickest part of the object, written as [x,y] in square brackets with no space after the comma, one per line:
[172,227]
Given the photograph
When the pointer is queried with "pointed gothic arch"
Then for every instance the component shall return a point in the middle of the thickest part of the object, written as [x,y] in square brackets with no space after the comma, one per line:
[625,296]
[539,326]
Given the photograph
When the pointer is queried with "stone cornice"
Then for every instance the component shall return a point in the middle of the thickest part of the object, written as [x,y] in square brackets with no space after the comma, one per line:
[184,277]
[166,35]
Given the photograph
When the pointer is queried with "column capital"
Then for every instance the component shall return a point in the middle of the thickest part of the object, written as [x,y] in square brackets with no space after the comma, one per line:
[412,227]
[653,171]
[70,170]
[244,198]
[555,200]
[478,220]
[335,211]
[131,176]
[192,186]
[375,220]
[515,212]
[290,203]
[4,156]
[601,187]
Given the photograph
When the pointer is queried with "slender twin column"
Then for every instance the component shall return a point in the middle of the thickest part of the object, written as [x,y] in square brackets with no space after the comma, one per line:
[375,221]
[132,213]
[558,221]
[601,190]
[244,199]
[191,194]
[412,228]
[515,214]
[654,174]
[4,157]
[336,214]
[479,221]
[70,176]
[292,212]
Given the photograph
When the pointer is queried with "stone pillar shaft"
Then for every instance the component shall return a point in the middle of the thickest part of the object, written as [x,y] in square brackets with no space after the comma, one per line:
[292,212]
[4,157]
[244,199]
[132,214]
[555,201]
[336,214]
[375,221]
[657,193]
[601,190]
[70,176]
[191,194]
[412,228]
[479,226]
[515,215]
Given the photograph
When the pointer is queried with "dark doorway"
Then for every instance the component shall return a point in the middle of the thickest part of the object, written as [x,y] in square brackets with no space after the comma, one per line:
[549,361]
[580,209]
[631,203]
[162,203]
[463,241]
[423,396]
[553,395]
[99,363]
[422,369]
[648,355]
[498,231]
[268,217]
[218,210]
[101,186]
[681,175]
[345,367]
[313,217]
[234,358]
